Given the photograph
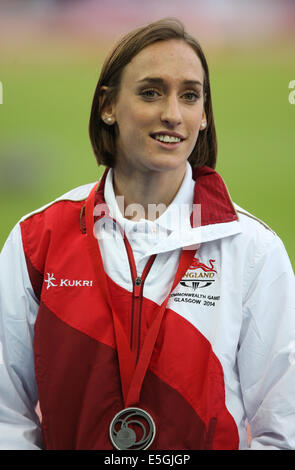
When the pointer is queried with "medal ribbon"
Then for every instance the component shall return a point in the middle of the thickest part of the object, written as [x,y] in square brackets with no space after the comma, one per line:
[132,373]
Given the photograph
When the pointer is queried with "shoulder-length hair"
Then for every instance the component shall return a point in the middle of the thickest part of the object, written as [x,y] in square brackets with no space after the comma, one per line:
[103,136]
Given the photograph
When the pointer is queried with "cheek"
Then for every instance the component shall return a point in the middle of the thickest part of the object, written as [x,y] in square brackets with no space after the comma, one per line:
[142,117]
[133,120]
[194,129]
[194,123]
[128,106]
[193,141]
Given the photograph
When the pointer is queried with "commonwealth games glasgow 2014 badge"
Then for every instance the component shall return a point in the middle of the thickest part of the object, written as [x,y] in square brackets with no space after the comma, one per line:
[132,429]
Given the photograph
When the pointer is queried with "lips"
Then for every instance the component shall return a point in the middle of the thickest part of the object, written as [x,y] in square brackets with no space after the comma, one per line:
[162,140]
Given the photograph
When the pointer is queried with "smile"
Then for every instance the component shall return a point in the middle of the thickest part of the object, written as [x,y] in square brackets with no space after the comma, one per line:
[165,138]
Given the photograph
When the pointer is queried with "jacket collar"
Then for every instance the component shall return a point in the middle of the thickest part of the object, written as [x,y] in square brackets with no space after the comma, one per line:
[211,192]
[213,216]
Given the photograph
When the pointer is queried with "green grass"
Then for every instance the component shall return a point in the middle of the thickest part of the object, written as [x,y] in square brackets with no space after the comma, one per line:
[255,126]
[45,149]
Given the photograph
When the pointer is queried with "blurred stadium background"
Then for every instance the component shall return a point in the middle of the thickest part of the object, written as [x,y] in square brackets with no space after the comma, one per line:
[50,56]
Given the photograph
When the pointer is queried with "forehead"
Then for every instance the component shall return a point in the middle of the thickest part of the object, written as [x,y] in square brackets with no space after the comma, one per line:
[173,59]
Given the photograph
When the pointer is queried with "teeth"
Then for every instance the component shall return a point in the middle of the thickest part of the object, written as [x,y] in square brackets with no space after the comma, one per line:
[167,138]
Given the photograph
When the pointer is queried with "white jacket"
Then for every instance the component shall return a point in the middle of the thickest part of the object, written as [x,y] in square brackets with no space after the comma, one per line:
[239,296]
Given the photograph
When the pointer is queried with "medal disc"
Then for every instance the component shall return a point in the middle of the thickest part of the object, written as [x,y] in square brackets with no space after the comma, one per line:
[132,429]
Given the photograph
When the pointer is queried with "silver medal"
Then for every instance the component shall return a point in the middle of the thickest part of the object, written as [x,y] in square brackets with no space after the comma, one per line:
[132,429]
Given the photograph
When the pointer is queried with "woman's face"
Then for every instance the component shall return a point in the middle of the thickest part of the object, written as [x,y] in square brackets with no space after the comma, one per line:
[159,108]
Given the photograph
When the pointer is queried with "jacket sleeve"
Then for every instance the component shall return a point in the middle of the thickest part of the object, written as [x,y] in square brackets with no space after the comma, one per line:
[19,423]
[266,357]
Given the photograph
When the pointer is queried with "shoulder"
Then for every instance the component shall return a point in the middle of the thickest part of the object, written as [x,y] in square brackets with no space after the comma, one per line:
[55,220]
[75,195]
[254,231]
[53,226]
[257,241]
[250,221]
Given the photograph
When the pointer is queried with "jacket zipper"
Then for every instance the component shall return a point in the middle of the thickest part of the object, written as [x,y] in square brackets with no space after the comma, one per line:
[136,315]
[137,295]
[138,283]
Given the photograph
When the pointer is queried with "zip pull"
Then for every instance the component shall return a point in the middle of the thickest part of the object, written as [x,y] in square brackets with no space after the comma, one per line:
[137,286]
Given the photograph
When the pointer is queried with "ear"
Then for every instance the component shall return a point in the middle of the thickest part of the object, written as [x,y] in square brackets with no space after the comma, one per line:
[204,121]
[106,106]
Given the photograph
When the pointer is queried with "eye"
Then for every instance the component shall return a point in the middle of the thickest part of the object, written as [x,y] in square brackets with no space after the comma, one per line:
[191,96]
[150,94]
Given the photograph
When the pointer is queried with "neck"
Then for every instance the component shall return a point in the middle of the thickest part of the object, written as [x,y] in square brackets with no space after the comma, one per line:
[144,189]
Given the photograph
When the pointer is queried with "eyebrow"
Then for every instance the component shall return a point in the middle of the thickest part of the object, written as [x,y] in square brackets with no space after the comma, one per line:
[160,81]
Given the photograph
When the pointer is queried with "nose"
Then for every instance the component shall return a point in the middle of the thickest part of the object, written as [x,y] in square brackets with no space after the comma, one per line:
[171,112]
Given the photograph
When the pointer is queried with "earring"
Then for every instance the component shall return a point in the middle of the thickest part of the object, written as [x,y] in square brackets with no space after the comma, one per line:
[203,125]
[108,120]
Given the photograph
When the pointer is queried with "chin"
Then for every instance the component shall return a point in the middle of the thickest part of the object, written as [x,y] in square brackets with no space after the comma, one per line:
[167,163]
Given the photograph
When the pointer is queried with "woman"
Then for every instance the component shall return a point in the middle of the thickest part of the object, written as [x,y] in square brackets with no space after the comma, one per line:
[147,310]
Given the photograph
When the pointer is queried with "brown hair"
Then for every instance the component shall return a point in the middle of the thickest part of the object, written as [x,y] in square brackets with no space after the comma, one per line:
[103,136]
